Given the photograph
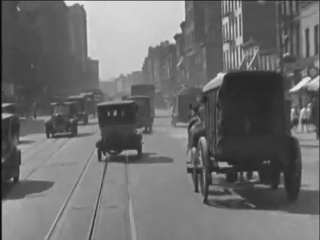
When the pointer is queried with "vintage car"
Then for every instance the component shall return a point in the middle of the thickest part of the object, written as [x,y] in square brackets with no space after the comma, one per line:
[117,123]
[10,154]
[63,119]
[11,108]
[144,115]
[90,103]
[247,126]
[181,103]
[81,107]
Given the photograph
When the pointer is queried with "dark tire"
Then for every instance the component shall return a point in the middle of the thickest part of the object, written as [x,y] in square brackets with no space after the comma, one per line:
[293,172]
[275,181]
[16,177]
[194,164]
[99,154]
[139,151]
[48,132]
[204,176]
[114,152]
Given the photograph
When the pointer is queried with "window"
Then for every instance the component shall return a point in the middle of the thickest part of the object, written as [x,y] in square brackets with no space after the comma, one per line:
[237,57]
[307,41]
[316,39]
[297,40]
[240,25]
[236,26]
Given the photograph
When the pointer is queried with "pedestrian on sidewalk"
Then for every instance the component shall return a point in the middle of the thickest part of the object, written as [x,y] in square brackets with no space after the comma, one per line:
[303,118]
[34,110]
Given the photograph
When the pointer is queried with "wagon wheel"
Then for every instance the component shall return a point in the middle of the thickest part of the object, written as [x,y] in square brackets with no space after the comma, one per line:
[293,172]
[204,175]
[194,163]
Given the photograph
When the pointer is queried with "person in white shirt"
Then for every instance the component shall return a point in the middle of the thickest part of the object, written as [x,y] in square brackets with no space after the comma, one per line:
[303,118]
[308,112]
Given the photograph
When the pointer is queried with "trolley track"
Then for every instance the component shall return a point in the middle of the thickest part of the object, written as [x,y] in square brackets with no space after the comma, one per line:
[59,217]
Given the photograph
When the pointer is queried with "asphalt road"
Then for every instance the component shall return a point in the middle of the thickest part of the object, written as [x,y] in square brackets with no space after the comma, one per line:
[151,198]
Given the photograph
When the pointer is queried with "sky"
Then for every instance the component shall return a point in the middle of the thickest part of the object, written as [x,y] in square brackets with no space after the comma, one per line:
[120,32]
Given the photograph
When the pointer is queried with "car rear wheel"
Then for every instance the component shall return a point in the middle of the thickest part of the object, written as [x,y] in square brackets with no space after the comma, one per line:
[99,154]
[139,150]
[16,176]
[48,132]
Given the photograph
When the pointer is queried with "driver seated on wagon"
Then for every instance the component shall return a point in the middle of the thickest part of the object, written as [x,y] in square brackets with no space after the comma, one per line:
[196,126]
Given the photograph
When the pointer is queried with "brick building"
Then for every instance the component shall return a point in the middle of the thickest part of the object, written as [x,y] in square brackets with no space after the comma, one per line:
[202,36]
[169,71]
[248,27]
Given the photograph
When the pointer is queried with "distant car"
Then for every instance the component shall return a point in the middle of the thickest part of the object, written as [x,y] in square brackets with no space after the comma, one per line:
[11,108]
[63,119]
[81,110]
[10,154]
[180,111]
[117,123]
[144,114]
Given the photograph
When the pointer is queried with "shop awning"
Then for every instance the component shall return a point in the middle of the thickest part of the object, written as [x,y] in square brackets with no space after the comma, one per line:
[313,85]
[300,85]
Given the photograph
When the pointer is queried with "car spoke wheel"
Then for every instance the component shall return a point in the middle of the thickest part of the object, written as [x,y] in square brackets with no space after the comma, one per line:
[194,164]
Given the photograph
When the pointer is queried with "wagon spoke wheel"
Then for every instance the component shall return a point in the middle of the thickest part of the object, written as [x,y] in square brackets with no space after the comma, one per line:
[293,172]
[194,163]
[204,175]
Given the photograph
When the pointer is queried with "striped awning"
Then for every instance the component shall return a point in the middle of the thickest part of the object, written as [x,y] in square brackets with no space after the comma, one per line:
[313,85]
[300,85]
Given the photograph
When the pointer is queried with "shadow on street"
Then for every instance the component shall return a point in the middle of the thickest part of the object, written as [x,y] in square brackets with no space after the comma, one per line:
[261,197]
[11,191]
[31,126]
[150,158]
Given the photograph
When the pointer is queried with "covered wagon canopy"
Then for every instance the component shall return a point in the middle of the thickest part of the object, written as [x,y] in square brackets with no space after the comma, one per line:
[313,85]
[300,85]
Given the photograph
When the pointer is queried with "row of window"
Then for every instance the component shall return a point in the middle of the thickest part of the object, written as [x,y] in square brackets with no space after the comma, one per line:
[288,7]
[229,6]
[233,29]
[308,40]
[232,58]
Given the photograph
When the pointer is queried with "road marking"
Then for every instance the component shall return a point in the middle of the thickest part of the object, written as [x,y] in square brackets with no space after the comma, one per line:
[133,228]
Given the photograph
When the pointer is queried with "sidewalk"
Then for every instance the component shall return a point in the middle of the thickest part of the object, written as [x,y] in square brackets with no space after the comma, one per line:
[307,139]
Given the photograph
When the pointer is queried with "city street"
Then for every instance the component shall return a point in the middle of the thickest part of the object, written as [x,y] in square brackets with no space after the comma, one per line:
[66,194]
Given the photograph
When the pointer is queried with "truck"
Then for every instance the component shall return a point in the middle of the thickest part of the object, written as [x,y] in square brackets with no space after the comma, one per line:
[145,90]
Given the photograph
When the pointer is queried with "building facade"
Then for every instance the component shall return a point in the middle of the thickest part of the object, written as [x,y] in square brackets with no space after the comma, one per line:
[244,24]
[309,35]
[169,84]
